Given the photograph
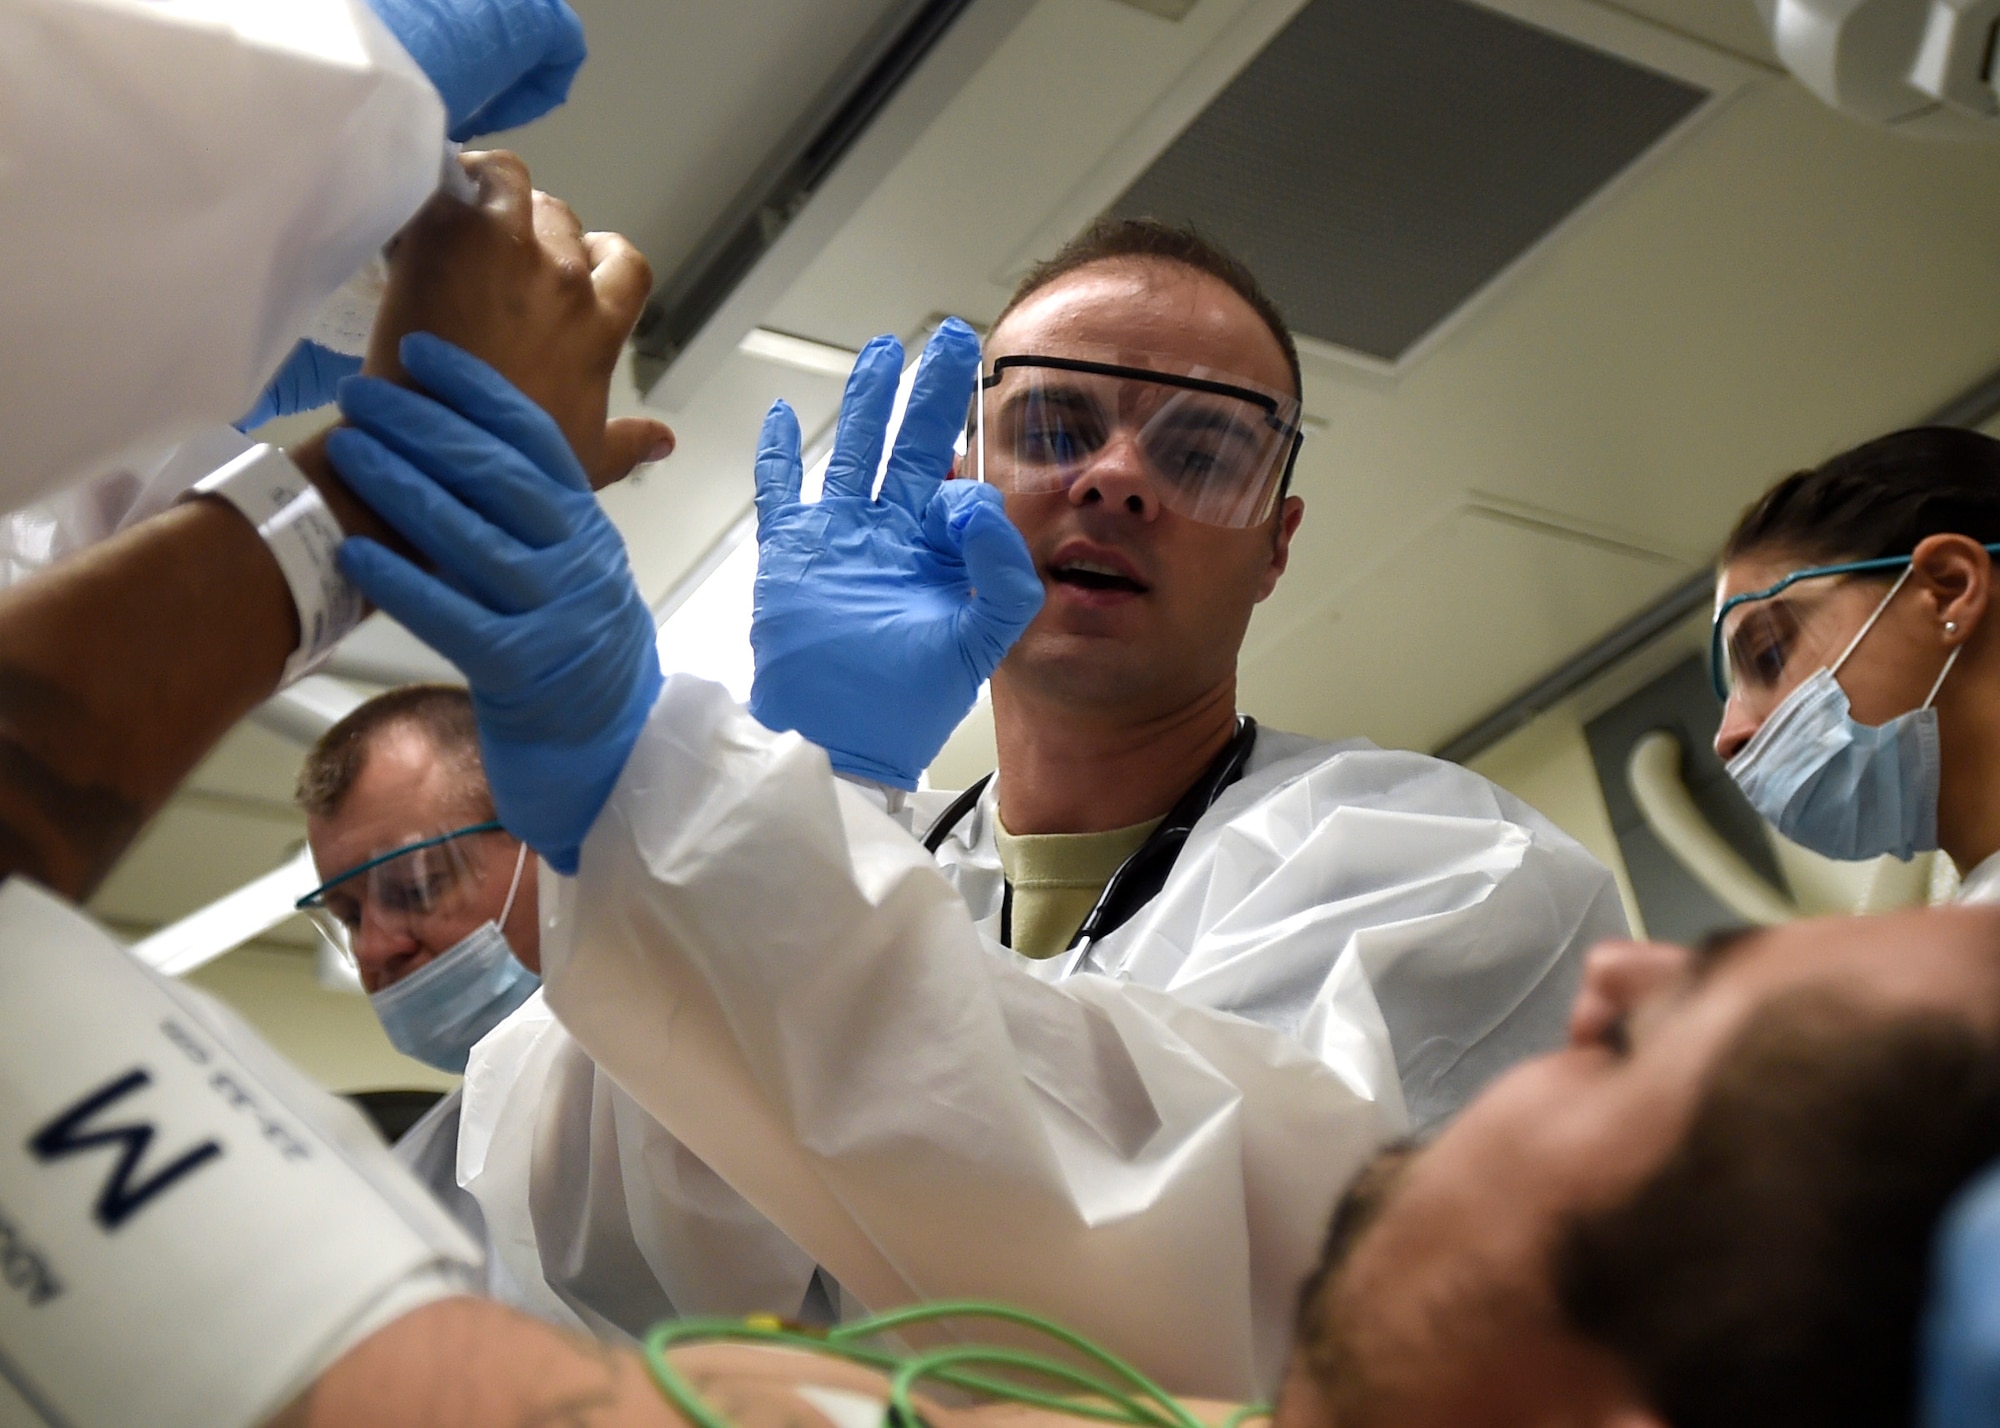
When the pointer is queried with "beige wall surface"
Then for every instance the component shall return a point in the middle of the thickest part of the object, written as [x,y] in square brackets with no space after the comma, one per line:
[332,1036]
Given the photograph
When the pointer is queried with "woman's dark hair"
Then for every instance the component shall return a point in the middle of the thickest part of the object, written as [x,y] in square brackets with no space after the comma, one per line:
[1881,498]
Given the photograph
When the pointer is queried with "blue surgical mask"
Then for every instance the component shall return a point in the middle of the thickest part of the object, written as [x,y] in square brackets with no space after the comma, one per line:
[1844,789]
[439,1011]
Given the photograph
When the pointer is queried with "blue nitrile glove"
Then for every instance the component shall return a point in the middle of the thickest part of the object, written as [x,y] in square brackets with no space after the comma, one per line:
[532,598]
[876,621]
[306,381]
[497,64]
[1961,1332]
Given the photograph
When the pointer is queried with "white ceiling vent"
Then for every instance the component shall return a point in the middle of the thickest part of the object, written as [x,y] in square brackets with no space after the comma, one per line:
[1383,161]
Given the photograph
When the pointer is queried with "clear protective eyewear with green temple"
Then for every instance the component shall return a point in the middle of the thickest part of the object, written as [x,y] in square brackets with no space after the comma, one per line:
[1753,652]
[419,882]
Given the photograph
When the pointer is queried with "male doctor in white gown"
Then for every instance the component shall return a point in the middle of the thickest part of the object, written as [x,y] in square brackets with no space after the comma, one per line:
[799,1066]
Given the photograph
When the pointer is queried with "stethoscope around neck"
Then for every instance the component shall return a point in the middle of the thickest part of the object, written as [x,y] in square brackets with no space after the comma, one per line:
[1140,877]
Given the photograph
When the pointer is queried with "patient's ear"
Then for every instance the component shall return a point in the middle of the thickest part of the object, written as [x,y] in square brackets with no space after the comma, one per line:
[1300,1403]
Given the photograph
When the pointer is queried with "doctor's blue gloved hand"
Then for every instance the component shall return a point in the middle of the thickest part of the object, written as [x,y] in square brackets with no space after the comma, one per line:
[307,381]
[532,597]
[876,621]
[497,64]
[1961,1335]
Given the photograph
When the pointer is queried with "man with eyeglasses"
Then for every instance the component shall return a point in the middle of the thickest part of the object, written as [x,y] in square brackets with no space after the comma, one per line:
[428,897]
[1180,975]
[425,894]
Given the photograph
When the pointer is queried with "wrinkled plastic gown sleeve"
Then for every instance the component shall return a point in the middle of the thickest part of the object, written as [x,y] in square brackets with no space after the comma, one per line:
[88,511]
[193,1230]
[97,507]
[776,975]
[188,181]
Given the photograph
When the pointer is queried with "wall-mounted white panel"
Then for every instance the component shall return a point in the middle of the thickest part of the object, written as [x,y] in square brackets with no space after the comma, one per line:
[332,1036]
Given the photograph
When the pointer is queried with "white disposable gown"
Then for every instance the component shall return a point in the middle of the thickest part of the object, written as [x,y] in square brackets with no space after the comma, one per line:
[786,1043]
[183,183]
[1982,884]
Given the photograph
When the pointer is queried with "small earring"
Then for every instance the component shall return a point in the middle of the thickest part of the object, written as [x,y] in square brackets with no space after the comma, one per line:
[1950,628]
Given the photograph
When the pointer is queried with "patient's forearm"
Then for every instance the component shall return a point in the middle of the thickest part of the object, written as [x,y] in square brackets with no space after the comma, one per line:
[468,1362]
[119,669]
[123,665]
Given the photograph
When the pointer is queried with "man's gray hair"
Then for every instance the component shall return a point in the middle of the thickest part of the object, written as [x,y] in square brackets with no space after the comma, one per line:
[441,712]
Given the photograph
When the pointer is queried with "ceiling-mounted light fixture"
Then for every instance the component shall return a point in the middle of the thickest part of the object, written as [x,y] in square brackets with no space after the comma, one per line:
[802,354]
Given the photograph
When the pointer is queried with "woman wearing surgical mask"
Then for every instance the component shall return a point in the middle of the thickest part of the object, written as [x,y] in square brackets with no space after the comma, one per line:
[1853,651]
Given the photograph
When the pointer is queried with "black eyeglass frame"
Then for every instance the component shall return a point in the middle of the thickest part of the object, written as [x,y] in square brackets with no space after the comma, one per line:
[1265,402]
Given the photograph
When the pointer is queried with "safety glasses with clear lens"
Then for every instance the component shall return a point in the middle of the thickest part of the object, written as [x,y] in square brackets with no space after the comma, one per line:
[1758,635]
[1215,447]
[416,885]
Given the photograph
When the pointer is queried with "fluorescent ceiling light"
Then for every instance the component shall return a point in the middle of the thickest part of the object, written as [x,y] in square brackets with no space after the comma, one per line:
[231,920]
[800,353]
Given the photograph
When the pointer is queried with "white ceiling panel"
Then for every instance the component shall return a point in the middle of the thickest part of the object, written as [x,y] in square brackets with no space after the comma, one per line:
[1782,285]
[1024,146]
[1464,604]
[199,848]
[1727,24]
[679,102]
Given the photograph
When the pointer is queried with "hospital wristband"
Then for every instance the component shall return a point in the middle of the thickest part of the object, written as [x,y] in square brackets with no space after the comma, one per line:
[303,537]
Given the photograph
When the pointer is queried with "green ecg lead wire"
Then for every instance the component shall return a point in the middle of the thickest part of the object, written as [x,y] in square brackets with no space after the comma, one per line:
[1115,1392]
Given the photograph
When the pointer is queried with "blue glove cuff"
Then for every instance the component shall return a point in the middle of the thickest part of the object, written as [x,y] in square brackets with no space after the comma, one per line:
[854,766]
[593,770]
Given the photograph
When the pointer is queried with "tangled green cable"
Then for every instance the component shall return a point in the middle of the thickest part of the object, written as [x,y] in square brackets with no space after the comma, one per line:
[1122,1396]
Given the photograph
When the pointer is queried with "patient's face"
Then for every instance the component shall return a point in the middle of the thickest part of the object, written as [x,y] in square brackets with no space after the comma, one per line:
[1442,1311]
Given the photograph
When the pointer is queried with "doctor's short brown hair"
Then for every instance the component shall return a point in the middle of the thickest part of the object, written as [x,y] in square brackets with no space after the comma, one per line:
[1112,239]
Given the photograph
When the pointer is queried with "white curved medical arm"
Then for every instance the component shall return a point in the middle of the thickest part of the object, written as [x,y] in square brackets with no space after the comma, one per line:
[1653,770]
[182,184]
[1922,67]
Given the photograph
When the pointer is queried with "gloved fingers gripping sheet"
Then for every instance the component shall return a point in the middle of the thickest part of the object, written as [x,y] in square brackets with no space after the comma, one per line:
[207,1229]
[189,180]
[776,972]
